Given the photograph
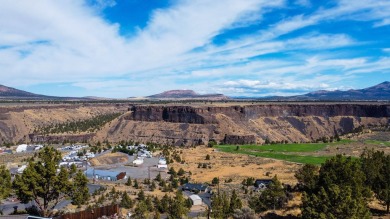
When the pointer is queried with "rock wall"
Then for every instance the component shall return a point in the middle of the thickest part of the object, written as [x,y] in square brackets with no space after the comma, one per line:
[187,125]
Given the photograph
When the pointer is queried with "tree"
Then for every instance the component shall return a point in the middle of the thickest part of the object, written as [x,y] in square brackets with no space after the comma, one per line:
[128,182]
[339,192]
[376,166]
[181,172]
[41,182]
[215,181]
[307,176]
[220,206]
[235,202]
[158,177]
[141,195]
[244,213]
[80,192]
[207,157]
[177,207]
[274,197]
[126,201]
[141,211]
[5,182]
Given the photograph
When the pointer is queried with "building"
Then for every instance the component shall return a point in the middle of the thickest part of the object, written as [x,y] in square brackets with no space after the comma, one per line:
[196,200]
[105,174]
[262,183]
[195,187]
[21,148]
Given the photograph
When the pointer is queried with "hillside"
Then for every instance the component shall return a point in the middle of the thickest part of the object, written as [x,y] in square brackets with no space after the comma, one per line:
[9,92]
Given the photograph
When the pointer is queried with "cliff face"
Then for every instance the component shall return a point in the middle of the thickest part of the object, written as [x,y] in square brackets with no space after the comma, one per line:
[186,125]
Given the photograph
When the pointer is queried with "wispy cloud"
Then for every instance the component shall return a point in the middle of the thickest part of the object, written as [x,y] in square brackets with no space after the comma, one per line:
[70,42]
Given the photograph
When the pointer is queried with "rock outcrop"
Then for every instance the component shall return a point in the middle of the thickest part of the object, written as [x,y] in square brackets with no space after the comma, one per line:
[188,125]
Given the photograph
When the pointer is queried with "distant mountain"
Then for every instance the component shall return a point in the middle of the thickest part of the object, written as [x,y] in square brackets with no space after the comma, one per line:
[9,93]
[187,94]
[374,93]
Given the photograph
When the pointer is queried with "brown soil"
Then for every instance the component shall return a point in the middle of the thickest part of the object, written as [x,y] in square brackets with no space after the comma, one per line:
[109,158]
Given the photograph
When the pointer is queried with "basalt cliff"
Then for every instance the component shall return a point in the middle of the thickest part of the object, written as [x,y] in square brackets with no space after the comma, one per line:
[243,124]
[193,124]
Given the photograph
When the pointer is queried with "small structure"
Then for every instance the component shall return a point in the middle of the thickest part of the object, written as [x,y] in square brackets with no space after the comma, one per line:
[262,183]
[195,187]
[196,200]
[21,148]
[138,161]
[105,174]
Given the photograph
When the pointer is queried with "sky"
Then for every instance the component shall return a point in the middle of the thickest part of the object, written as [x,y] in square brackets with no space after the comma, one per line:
[128,48]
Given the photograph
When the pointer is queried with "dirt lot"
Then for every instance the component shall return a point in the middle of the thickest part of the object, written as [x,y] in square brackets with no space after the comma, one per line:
[110,158]
[233,166]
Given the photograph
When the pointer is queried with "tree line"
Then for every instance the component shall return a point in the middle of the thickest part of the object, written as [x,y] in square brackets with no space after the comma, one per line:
[87,125]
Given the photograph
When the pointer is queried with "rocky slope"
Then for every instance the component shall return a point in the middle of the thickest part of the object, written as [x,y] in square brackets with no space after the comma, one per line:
[193,125]
[18,122]
[187,125]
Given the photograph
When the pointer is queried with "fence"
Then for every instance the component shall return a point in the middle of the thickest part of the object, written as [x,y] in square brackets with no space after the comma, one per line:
[92,213]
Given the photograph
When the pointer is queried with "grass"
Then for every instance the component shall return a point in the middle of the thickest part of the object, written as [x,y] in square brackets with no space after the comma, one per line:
[278,151]
[385,143]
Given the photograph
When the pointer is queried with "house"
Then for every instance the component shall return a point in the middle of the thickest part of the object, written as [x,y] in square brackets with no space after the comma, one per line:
[262,183]
[195,187]
[196,200]
[105,174]
[21,148]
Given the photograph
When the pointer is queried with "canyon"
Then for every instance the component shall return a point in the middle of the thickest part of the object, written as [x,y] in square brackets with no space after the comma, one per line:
[195,124]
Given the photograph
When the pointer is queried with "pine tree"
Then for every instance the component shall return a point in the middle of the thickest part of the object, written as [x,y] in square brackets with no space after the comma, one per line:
[80,192]
[5,182]
[235,202]
[126,201]
[307,176]
[128,183]
[340,191]
[141,195]
[141,211]
[41,182]
[177,207]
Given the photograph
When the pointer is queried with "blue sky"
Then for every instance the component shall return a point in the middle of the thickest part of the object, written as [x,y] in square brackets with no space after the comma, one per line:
[124,48]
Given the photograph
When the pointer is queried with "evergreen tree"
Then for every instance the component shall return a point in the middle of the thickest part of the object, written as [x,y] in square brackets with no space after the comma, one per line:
[307,176]
[274,197]
[181,172]
[41,182]
[220,205]
[376,166]
[340,191]
[80,192]
[235,202]
[126,201]
[177,207]
[128,182]
[158,177]
[5,182]
[141,195]
[165,202]
[141,211]
[135,184]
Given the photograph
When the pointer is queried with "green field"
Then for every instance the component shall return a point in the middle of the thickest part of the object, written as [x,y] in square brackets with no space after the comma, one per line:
[385,143]
[281,151]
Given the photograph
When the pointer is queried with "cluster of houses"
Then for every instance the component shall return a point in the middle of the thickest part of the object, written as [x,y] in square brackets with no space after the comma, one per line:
[73,155]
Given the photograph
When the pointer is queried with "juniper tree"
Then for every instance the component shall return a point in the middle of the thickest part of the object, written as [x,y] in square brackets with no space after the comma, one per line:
[5,182]
[40,182]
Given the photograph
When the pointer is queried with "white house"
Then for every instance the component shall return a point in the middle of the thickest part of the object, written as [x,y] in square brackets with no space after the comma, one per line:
[21,148]
[196,200]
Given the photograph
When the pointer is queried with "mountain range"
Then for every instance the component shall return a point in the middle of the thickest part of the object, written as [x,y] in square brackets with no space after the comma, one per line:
[378,92]
[375,93]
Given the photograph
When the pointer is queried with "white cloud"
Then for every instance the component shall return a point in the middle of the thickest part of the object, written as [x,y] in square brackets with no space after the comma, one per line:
[67,41]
